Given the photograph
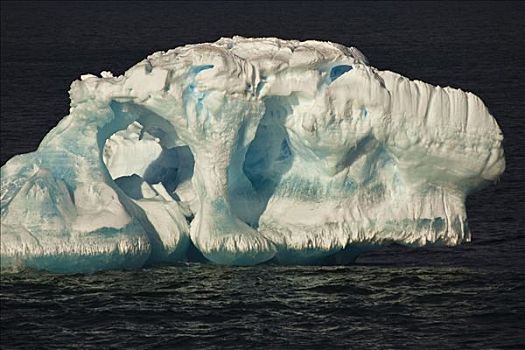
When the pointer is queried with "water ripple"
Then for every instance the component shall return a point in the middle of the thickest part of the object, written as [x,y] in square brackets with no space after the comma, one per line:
[207,306]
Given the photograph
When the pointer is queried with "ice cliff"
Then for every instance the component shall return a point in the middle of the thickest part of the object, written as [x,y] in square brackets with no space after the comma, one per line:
[247,150]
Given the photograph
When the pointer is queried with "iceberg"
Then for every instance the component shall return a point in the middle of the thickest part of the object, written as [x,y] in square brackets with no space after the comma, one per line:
[247,150]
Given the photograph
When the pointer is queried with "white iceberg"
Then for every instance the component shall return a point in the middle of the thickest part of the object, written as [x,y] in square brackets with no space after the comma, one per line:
[249,150]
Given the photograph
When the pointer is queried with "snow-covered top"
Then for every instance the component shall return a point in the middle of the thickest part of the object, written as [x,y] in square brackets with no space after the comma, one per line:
[237,63]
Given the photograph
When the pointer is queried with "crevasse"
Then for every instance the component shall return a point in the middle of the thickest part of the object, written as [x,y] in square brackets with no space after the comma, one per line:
[247,150]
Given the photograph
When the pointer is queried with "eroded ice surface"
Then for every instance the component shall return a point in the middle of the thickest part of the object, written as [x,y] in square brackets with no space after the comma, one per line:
[248,150]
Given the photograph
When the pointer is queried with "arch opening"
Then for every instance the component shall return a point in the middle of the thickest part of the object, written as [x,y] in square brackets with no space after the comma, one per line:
[153,170]
[148,148]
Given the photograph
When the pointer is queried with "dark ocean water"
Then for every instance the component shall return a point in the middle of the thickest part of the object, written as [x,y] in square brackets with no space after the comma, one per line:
[472,296]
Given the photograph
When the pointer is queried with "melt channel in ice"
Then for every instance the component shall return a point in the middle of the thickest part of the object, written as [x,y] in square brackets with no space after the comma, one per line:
[247,150]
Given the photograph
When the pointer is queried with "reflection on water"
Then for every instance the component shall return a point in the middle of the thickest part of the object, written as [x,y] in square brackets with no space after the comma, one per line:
[204,306]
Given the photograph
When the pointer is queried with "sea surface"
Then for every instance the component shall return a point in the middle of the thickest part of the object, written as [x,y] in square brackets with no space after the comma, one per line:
[467,297]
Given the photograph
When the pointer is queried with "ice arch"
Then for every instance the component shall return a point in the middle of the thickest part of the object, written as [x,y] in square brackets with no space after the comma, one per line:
[248,150]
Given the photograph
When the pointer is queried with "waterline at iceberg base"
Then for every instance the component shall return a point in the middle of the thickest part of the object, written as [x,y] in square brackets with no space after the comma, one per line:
[247,150]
